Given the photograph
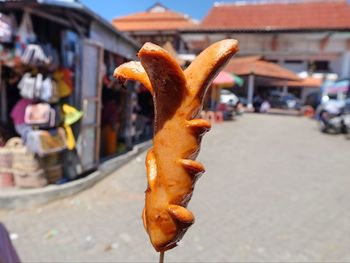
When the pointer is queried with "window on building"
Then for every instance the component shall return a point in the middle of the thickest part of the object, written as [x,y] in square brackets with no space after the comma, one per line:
[319,65]
[293,61]
[273,60]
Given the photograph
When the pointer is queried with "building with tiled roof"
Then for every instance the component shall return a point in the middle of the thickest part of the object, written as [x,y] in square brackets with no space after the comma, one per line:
[279,15]
[301,35]
[157,24]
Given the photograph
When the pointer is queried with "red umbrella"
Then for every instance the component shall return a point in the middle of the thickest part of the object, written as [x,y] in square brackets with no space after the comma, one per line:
[224,79]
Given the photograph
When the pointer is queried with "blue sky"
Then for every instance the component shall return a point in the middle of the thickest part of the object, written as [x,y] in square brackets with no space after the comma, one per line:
[109,9]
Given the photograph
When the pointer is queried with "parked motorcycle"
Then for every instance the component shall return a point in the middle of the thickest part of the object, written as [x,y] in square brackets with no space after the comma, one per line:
[346,117]
[229,104]
[347,125]
[331,123]
[334,111]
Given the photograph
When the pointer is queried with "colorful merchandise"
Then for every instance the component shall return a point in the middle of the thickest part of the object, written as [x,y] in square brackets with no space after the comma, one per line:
[6,175]
[40,114]
[34,55]
[71,116]
[30,180]
[43,142]
[5,28]
[18,111]
[64,81]
[36,87]
[25,31]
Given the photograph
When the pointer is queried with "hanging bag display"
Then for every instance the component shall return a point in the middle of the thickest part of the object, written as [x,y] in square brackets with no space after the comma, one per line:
[71,116]
[30,87]
[36,87]
[35,55]
[49,91]
[27,86]
[40,114]
[63,77]
[25,31]
[6,28]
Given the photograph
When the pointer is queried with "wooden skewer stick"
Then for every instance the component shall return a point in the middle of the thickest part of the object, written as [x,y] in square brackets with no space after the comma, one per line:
[161,257]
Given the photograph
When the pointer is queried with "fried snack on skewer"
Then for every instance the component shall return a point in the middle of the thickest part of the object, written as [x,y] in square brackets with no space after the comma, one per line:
[171,167]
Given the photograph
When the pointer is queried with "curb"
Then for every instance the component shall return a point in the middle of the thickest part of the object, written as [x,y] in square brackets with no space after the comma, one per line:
[20,198]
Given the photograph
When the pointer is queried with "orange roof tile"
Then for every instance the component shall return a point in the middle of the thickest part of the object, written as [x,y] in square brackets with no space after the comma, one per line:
[320,14]
[160,19]
[255,65]
[308,82]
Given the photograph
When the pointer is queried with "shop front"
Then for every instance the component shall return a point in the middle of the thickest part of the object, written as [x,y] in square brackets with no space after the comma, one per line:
[125,112]
[55,59]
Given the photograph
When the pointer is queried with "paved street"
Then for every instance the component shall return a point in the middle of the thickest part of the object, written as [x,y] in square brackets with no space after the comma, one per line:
[275,189]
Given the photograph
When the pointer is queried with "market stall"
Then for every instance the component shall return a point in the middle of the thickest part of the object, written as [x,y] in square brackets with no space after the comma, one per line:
[50,90]
[254,67]
[223,80]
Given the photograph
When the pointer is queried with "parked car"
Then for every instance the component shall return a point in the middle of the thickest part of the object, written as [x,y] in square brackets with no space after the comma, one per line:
[283,100]
[228,97]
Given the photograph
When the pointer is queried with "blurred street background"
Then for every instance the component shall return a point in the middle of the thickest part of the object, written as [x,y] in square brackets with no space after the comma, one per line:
[73,140]
[271,201]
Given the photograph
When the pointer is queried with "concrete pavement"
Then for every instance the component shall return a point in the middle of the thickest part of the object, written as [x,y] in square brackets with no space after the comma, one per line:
[275,189]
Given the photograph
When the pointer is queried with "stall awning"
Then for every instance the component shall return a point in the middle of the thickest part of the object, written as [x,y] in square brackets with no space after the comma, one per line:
[257,66]
[225,79]
[308,82]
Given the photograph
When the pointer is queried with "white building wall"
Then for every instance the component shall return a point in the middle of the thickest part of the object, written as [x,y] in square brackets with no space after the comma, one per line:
[111,42]
[293,46]
[306,47]
[295,67]
[336,65]
[290,43]
[345,64]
